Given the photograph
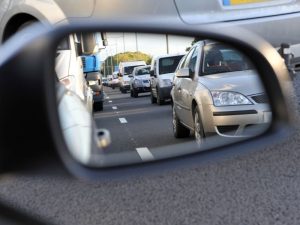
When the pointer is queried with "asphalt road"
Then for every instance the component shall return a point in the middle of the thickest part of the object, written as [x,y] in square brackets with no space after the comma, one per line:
[261,187]
[136,125]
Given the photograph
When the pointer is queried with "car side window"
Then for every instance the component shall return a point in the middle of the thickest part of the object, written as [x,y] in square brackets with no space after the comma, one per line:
[188,58]
[193,60]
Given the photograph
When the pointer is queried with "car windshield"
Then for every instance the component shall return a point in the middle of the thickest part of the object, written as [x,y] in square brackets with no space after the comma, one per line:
[129,69]
[169,64]
[220,58]
[143,71]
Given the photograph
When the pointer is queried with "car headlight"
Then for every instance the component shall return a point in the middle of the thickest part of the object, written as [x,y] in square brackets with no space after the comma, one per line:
[227,98]
[165,83]
[138,83]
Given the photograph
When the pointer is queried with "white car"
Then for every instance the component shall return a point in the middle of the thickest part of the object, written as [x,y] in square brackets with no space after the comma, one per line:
[162,74]
[140,81]
[125,72]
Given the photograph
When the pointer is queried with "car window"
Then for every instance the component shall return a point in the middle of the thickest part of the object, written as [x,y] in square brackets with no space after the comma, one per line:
[64,44]
[193,60]
[169,64]
[220,58]
[188,57]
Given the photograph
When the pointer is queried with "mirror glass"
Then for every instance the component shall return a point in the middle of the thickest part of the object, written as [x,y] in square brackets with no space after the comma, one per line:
[204,94]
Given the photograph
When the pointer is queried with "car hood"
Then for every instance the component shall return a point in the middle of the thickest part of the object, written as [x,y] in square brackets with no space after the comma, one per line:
[246,82]
[142,77]
[169,76]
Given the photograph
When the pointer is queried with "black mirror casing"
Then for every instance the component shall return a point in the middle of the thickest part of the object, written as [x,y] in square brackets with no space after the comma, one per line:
[36,90]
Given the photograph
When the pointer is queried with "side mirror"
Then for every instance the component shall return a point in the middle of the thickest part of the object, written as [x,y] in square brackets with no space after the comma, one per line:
[92,155]
[183,73]
[152,73]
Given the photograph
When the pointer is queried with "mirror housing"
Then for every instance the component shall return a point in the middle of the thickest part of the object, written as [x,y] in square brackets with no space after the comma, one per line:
[42,99]
[152,73]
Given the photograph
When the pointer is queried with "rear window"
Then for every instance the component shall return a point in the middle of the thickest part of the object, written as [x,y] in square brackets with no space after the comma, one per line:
[169,64]
[129,69]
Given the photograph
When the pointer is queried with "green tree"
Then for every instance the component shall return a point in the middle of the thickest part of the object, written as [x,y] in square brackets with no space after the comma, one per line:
[112,61]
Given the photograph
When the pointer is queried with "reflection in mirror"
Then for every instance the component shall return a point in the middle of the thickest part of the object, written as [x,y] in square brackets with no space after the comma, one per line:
[147,97]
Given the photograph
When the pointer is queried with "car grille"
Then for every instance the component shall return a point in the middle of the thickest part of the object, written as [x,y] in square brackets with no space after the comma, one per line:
[229,130]
[262,98]
[146,81]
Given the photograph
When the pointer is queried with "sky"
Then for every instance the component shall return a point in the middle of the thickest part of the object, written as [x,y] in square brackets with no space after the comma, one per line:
[152,44]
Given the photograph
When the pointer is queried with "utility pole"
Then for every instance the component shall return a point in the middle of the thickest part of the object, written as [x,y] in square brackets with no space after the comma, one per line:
[167,43]
[124,41]
[136,42]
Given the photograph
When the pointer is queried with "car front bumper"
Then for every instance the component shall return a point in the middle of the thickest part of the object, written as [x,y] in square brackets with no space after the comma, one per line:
[236,121]
[165,92]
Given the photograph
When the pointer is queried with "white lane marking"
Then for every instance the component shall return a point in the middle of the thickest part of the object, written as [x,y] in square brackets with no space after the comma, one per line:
[107,97]
[110,101]
[145,154]
[123,120]
[114,107]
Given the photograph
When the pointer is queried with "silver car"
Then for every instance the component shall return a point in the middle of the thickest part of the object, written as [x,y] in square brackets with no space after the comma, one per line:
[217,91]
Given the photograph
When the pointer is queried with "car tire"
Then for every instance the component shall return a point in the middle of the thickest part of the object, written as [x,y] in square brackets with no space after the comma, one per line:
[135,94]
[122,90]
[159,100]
[98,106]
[198,127]
[153,99]
[179,130]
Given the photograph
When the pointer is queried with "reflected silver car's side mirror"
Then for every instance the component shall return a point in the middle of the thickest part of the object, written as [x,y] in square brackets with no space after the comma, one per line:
[151,73]
[45,114]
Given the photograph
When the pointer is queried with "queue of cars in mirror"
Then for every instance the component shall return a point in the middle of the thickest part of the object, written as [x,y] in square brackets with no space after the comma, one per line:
[214,90]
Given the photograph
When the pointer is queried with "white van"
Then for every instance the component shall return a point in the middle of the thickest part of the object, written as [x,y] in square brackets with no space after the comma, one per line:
[162,73]
[68,67]
[125,73]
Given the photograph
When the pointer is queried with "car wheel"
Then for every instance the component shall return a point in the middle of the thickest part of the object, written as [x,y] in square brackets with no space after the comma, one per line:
[198,127]
[179,130]
[153,99]
[135,94]
[159,100]
[98,106]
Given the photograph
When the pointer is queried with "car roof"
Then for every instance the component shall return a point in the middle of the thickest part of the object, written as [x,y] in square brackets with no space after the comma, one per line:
[168,55]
